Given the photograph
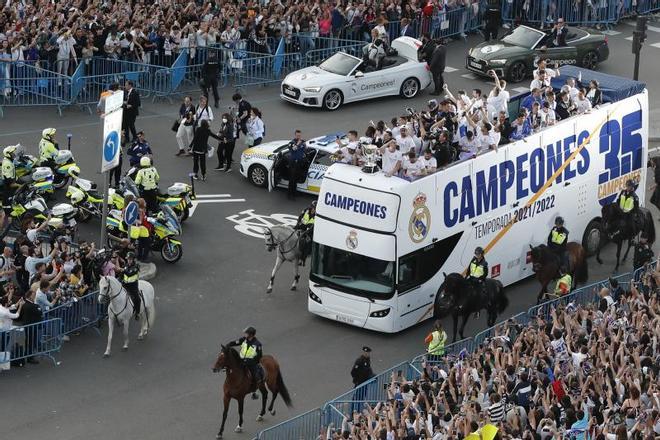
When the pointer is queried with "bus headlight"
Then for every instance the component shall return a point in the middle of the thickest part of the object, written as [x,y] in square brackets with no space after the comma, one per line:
[314,298]
[380,313]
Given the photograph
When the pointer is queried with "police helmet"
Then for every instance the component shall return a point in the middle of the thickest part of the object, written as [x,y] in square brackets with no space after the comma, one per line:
[479,250]
[145,161]
[130,254]
[630,183]
[48,133]
[250,331]
[313,205]
[559,221]
[9,151]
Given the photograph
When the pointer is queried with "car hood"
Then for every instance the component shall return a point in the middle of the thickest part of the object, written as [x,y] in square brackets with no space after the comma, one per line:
[500,50]
[264,149]
[309,76]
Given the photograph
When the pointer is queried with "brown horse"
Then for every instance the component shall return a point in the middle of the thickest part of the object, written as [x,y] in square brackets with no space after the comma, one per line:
[546,265]
[239,383]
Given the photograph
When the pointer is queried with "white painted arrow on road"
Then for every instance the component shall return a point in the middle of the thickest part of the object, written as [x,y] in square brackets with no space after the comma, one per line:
[212,198]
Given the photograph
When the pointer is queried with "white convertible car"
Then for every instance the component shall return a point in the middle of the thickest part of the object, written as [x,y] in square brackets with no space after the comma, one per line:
[344,78]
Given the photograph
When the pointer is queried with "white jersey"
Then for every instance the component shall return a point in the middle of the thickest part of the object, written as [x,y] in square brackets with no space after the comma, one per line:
[390,158]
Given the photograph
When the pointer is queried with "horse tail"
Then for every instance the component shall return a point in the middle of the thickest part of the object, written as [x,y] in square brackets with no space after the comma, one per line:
[282,389]
[649,227]
[501,299]
[581,266]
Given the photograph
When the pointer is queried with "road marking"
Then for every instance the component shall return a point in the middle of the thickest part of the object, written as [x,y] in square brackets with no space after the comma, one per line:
[656,45]
[249,223]
[610,32]
[218,201]
[521,89]
[450,69]
[633,24]
[211,196]
[469,76]
[630,38]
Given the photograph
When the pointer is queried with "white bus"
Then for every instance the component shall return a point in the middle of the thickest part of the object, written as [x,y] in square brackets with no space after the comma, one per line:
[381,244]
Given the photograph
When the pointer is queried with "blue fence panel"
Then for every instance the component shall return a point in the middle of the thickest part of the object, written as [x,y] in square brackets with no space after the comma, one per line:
[305,426]
[40,339]
[78,313]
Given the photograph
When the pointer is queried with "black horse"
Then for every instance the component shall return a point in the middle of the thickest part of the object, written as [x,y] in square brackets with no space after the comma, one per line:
[460,296]
[546,265]
[617,230]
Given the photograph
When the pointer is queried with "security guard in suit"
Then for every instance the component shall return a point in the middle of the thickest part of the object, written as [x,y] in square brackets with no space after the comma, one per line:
[147,179]
[250,352]
[643,252]
[130,280]
[629,203]
[361,371]
[557,241]
[48,148]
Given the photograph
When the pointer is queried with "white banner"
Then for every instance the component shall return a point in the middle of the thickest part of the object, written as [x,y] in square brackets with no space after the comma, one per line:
[111,139]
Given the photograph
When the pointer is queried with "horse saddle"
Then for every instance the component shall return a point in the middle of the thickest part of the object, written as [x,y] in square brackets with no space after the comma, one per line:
[260,369]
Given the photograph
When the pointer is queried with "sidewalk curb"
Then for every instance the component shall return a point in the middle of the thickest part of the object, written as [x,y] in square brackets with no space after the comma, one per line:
[147,271]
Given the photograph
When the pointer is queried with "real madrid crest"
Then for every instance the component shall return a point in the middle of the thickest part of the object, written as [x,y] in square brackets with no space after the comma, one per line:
[420,220]
[352,240]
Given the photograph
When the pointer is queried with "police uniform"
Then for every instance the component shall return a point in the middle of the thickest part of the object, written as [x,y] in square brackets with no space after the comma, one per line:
[361,371]
[130,280]
[628,202]
[436,344]
[478,270]
[8,179]
[564,285]
[295,158]
[643,254]
[557,241]
[305,225]
[47,152]
[147,179]
[250,352]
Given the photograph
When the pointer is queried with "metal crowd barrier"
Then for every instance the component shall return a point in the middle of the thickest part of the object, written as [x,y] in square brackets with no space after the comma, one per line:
[41,339]
[315,422]
[78,313]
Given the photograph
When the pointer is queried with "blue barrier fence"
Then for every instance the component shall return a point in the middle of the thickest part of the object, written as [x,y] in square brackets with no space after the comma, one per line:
[41,339]
[308,426]
[78,313]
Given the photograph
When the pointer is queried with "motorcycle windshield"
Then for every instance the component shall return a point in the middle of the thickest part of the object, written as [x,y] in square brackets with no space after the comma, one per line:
[130,185]
[171,220]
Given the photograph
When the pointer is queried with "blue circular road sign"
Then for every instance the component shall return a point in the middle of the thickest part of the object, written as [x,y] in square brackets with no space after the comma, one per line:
[131,213]
[110,146]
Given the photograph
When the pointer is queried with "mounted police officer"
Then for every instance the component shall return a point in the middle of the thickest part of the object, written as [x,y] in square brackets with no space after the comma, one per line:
[557,241]
[629,204]
[130,279]
[305,225]
[48,148]
[250,352]
[147,179]
[478,268]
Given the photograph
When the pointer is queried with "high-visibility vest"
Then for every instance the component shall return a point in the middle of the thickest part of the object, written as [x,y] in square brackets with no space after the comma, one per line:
[476,270]
[131,276]
[147,178]
[627,203]
[437,344]
[307,219]
[247,351]
[47,150]
[557,237]
[8,169]
[564,285]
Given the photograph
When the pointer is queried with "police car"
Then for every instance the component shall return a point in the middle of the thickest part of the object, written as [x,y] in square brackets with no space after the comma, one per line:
[266,166]
[345,78]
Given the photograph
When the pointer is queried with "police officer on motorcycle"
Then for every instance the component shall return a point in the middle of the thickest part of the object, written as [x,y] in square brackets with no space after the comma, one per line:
[629,203]
[8,173]
[305,225]
[130,279]
[250,352]
[48,148]
[147,179]
[557,241]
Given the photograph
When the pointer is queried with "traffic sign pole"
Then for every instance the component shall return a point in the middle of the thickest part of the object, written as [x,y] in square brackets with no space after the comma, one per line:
[110,149]
[104,217]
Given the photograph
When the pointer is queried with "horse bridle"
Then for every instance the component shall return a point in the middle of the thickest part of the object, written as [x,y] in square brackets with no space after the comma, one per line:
[271,244]
[110,298]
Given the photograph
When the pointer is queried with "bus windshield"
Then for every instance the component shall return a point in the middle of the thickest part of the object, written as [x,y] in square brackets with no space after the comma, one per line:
[352,273]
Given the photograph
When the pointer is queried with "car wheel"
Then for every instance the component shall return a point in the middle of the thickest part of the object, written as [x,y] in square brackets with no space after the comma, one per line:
[332,100]
[409,88]
[593,237]
[517,72]
[258,175]
[590,60]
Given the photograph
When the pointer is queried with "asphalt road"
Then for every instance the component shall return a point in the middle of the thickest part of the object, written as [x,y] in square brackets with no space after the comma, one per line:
[163,388]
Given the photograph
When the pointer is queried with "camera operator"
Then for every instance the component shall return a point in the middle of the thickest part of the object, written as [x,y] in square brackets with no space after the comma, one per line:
[296,157]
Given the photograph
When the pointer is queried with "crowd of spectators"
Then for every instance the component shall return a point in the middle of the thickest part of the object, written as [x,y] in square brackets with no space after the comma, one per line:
[584,372]
[460,127]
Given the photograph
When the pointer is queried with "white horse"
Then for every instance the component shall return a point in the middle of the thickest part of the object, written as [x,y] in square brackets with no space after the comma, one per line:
[120,308]
[286,240]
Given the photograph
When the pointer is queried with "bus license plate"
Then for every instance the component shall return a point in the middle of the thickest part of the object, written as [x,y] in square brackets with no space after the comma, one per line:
[475,64]
[346,319]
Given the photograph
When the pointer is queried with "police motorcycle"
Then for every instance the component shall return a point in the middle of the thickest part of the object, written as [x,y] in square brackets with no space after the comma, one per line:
[23,163]
[166,227]
[42,181]
[179,195]
[83,194]
[65,169]
[26,202]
